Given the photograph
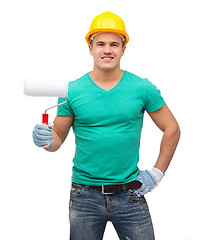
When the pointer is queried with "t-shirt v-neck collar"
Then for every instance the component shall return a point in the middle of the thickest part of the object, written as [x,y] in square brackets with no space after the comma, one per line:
[101,89]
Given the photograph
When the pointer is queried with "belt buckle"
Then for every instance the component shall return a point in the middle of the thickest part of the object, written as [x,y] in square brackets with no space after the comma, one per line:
[103,191]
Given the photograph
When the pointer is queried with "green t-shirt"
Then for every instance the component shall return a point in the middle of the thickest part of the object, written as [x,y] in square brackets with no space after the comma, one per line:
[107,127]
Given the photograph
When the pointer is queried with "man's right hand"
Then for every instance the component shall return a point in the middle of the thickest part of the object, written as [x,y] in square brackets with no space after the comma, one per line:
[43,135]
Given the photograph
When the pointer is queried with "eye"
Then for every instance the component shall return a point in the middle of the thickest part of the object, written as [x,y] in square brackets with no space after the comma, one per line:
[115,45]
[100,44]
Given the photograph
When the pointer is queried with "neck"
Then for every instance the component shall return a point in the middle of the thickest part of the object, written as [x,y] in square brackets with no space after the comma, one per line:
[102,76]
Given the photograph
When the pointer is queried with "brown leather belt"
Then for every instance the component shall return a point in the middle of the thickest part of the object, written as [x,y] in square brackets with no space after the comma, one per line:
[111,189]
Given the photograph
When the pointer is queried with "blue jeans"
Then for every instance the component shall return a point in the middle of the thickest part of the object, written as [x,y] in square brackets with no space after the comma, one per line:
[90,210]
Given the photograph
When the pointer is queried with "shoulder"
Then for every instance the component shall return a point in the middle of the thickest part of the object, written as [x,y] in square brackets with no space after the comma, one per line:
[79,85]
[79,81]
[145,82]
[135,80]
[134,77]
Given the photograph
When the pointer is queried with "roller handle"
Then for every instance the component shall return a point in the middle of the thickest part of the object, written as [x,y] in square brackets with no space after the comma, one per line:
[45,118]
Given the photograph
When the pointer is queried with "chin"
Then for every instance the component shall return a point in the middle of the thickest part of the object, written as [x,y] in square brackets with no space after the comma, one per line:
[108,68]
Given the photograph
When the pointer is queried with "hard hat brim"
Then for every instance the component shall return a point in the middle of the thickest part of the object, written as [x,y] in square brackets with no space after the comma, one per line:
[88,35]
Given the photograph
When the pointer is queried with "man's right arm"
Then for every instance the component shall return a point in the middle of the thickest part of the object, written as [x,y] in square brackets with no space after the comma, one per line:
[62,125]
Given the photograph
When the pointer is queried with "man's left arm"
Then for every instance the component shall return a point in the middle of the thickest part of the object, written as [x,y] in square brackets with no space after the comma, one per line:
[166,122]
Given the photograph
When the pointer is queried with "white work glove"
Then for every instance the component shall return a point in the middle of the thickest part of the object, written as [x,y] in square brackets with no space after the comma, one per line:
[42,135]
[149,179]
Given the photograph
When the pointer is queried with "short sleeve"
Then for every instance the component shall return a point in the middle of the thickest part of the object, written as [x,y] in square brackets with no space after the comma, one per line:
[64,109]
[153,98]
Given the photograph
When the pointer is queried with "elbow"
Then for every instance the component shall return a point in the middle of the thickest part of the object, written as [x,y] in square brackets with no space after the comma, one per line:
[179,133]
[175,131]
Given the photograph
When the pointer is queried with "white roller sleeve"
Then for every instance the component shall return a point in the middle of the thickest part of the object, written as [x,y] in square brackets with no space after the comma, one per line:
[45,88]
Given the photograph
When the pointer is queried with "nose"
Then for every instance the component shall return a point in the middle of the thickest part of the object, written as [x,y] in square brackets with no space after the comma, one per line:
[107,49]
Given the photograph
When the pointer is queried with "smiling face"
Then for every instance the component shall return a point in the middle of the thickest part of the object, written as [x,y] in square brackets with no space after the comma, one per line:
[107,50]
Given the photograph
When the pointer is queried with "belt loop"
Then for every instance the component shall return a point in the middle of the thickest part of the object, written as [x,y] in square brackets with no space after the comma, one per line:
[86,187]
[124,187]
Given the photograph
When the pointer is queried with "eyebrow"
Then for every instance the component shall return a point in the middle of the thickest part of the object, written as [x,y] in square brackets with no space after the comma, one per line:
[117,43]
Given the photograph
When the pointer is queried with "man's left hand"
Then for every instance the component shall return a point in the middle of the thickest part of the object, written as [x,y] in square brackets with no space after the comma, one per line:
[149,179]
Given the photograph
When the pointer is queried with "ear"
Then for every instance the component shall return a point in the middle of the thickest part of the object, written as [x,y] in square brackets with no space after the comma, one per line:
[90,50]
[123,50]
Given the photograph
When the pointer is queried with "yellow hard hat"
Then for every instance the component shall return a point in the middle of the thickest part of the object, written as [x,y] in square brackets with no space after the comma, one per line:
[107,22]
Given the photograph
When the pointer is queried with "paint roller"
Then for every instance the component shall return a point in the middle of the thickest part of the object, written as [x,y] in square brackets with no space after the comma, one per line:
[46,88]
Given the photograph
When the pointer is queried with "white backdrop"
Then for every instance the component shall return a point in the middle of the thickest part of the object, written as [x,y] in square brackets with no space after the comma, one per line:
[45,39]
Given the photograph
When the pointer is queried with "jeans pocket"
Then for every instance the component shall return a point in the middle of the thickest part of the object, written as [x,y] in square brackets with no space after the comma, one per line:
[135,199]
[76,190]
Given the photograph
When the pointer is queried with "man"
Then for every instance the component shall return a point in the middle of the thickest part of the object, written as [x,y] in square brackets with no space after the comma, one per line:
[105,109]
